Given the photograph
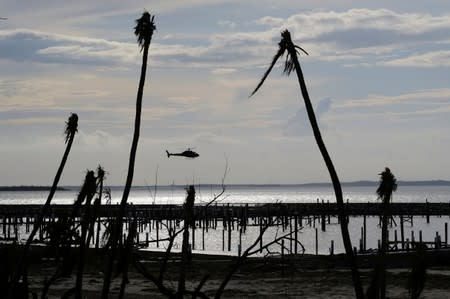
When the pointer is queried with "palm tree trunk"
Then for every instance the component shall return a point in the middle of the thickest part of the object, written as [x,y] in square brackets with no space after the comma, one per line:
[384,248]
[188,206]
[39,219]
[85,223]
[123,204]
[334,178]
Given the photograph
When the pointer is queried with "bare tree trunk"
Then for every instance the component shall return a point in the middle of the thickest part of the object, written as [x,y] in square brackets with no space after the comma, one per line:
[334,178]
[127,255]
[384,248]
[126,191]
[188,207]
[38,222]
[85,223]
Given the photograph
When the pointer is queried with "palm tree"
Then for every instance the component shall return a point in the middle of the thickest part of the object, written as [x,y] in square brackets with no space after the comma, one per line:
[89,187]
[70,130]
[388,184]
[292,63]
[144,29]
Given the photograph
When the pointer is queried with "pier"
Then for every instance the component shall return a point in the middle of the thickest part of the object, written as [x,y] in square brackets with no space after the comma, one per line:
[220,211]
[230,222]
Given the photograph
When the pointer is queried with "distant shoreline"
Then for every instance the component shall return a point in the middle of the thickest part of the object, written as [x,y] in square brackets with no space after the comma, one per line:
[29,188]
[203,185]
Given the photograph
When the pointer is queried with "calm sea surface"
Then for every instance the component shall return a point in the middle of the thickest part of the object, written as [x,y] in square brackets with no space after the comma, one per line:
[238,194]
[215,239]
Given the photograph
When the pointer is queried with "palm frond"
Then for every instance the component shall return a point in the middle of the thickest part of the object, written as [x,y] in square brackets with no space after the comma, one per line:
[300,48]
[388,184]
[100,173]
[284,44]
[71,126]
[145,26]
[289,65]
[279,54]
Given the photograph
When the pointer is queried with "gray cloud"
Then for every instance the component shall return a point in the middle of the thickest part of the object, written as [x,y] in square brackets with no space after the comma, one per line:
[349,35]
[35,46]
[429,59]
[299,124]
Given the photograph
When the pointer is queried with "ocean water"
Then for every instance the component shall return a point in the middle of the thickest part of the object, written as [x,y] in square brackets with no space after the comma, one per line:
[252,194]
[214,240]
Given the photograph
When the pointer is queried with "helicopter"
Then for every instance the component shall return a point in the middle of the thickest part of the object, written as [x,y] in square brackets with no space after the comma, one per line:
[187,153]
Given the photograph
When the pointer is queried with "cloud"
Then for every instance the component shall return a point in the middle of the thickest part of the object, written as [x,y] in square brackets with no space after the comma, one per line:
[352,35]
[382,20]
[223,71]
[362,33]
[428,60]
[356,36]
[100,139]
[271,21]
[299,124]
[227,24]
[412,107]
[36,46]
[429,96]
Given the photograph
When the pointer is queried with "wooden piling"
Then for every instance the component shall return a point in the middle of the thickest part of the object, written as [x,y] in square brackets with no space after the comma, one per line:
[296,234]
[260,233]
[446,233]
[240,237]
[361,243]
[229,238]
[97,235]
[438,241]
[402,232]
[157,235]
[290,236]
[323,222]
[395,240]
[203,237]
[193,236]
[365,233]
[317,242]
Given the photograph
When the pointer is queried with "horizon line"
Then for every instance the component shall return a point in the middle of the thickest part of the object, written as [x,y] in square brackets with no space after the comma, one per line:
[355,183]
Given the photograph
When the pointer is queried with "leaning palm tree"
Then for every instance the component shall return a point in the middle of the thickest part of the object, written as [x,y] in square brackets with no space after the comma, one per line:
[144,29]
[71,129]
[291,64]
[388,185]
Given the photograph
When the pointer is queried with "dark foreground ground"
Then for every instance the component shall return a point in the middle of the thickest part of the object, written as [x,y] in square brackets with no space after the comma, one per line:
[292,277]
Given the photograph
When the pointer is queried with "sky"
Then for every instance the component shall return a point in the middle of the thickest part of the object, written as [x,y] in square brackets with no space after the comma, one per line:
[377,73]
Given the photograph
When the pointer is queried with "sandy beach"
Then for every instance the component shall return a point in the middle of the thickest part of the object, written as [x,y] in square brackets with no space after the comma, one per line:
[309,276]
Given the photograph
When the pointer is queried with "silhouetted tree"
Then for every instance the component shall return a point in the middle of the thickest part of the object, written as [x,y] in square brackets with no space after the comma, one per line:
[70,130]
[144,29]
[97,203]
[291,64]
[185,252]
[418,274]
[388,184]
[85,223]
